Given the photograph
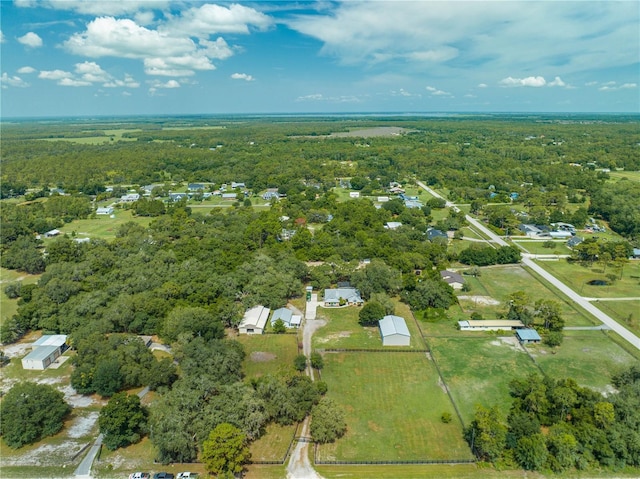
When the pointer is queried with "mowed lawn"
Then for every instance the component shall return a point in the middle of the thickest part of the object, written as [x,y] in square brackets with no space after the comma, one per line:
[273,445]
[102,226]
[577,276]
[589,357]
[536,247]
[478,370]
[393,404]
[626,313]
[268,354]
[498,282]
[343,331]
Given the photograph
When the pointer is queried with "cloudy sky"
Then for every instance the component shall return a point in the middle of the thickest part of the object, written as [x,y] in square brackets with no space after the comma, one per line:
[127,57]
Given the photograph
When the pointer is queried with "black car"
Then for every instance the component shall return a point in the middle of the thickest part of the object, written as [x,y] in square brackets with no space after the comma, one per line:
[163,475]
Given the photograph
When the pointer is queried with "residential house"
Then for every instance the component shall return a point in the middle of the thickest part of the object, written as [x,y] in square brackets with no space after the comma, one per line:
[453,279]
[235,184]
[289,319]
[351,296]
[394,331]
[413,204]
[574,241]
[178,196]
[254,320]
[129,198]
[105,210]
[229,196]
[530,230]
[433,234]
[195,186]
[393,225]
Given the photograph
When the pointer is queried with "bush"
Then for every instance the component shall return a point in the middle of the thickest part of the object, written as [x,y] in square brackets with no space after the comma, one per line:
[300,362]
[279,327]
[446,417]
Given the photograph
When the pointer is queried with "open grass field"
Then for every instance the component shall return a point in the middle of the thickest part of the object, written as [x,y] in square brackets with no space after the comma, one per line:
[576,277]
[630,175]
[268,354]
[458,471]
[343,331]
[404,386]
[535,247]
[103,227]
[498,282]
[626,313]
[478,370]
[9,307]
[589,357]
[273,445]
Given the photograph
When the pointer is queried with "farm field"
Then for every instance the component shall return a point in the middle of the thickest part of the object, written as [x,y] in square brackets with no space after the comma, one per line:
[405,386]
[103,227]
[589,357]
[343,331]
[478,370]
[576,277]
[496,283]
[268,354]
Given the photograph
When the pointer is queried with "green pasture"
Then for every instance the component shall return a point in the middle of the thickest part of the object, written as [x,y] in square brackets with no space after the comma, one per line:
[589,357]
[259,471]
[498,282]
[440,471]
[103,227]
[626,313]
[343,331]
[630,175]
[9,307]
[576,277]
[405,387]
[268,353]
[535,247]
[273,445]
[478,370]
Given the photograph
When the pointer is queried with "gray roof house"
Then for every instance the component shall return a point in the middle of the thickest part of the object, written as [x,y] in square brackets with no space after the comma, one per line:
[433,233]
[394,331]
[574,241]
[453,279]
[350,295]
[289,319]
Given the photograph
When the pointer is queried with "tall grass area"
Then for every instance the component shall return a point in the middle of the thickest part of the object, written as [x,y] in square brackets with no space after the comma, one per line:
[393,404]
[478,370]
[268,354]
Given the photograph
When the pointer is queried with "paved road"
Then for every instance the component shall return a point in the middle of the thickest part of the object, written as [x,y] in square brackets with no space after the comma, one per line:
[528,261]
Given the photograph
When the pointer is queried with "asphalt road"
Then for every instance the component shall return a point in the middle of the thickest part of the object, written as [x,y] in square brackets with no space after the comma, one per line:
[528,261]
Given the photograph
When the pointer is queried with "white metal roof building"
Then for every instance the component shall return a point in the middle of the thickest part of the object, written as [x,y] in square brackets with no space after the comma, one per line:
[45,351]
[490,324]
[394,331]
[254,320]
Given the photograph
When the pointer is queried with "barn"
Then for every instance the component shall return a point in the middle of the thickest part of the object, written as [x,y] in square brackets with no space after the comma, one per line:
[45,351]
[394,331]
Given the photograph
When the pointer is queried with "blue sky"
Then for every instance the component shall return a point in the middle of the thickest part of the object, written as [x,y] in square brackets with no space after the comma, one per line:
[128,57]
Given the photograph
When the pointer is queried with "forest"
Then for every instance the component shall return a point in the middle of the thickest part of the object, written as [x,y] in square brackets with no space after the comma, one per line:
[190,274]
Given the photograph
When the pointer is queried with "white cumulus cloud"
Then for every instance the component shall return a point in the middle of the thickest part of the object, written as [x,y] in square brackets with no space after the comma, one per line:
[87,74]
[242,76]
[436,92]
[31,40]
[26,69]
[208,19]
[557,81]
[54,74]
[14,81]
[93,7]
[528,81]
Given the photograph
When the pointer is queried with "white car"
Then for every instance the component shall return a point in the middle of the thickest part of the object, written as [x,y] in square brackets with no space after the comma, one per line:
[185,475]
[139,475]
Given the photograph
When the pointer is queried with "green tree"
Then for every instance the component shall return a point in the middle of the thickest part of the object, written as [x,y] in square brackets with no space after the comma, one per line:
[29,412]
[371,313]
[225,450]
[199,321]
[279,327]
[123,421]
[327,421]
[487,433]
[107,378]
[300,362]
[531,452]
[317,362]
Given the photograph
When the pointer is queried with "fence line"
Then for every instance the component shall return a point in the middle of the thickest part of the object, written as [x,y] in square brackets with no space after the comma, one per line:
[362,350]
[286,454]
[392,463]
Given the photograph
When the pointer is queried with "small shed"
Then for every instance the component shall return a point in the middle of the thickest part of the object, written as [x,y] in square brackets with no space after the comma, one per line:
[254,320]
[52,233]
[453,279]
[526,336]
[394,331]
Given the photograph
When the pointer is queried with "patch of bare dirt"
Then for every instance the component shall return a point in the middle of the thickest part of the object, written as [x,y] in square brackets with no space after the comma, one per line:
[262,357]
[82,425]
[44,455]
[441,385]
[16,350]
[74,399]
[483,300]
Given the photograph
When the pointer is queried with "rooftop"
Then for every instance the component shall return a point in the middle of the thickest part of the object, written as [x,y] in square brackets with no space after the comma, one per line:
[390,325]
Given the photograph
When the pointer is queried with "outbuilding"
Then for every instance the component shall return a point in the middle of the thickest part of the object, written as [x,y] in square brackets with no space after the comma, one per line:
[45,351]
[254,320]
[526,336]
[394,331]
[490,325]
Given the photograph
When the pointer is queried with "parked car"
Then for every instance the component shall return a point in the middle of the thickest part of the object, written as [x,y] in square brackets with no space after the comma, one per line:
[163,475]
[186,475]
[139,475]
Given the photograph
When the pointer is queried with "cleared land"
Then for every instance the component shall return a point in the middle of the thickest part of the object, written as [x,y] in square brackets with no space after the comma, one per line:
[626,313]
[273,445]
[9,307]
[478,370]
[404,386]
[103,227]
[268,354]
[343,331]
[536,247]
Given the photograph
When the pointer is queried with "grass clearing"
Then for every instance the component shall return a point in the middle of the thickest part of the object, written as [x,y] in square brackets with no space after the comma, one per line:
[9,307]
[589,357]
[440,471]
[273,445]
[536,247]
[405,386]
[630,175]
[478,370]
[103,227]
[268,354]
[576,277]
[343,331]
[626,313]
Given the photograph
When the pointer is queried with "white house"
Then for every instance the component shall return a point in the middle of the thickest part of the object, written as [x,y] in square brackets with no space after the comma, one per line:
[129,198]
[394,331]
[354,194]
[289,319]
[254,320]
[105,210]
[392,225]
[350,295]
[453,279]
[45,351]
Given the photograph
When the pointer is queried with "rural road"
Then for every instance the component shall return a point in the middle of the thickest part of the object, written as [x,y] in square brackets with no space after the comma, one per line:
[528,261]
[299,466]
